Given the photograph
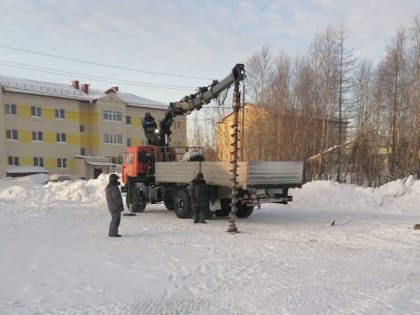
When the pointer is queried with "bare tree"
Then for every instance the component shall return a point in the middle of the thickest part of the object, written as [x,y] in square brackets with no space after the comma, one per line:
[362,94]
[414,97]
[259,68]
[305,99]
[346,62]
[280,83]
[324,62]
[362,154]
[393,71]
[304,103]
[259,76]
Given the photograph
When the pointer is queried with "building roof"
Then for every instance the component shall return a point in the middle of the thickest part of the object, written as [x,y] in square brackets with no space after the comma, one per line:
[42,88]
[134,100]
[68,91]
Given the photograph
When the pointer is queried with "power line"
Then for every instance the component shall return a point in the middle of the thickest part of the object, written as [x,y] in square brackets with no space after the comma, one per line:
[96,78]
[57,94]
[104,65]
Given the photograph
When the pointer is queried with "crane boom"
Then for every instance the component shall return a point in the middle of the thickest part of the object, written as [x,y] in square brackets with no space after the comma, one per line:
[203,96]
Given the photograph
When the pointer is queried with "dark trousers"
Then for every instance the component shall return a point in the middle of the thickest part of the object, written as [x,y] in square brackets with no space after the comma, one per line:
[115,223]
[200,213]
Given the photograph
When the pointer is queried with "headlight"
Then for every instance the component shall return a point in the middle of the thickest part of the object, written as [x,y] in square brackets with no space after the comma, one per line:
[156,130]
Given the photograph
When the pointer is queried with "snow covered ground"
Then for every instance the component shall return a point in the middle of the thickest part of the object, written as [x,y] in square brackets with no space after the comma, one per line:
[56,257]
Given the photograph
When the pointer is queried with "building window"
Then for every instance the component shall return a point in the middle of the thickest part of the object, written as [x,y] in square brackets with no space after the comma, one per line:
[36,111]
[112,116]
[128,142]
[62,163]
[60,137]
[110,138]
[12,134]
[37,136]
[13,160]
[60,114]
[82,128]
[10,109]
[128,120]
[82,151]
[38,161]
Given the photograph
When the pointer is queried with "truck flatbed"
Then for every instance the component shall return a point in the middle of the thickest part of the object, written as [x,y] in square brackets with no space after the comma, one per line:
[251,173]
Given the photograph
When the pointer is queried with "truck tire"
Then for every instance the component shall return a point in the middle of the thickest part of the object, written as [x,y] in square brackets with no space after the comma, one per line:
[224,212]
[182,204]
[169,203]
[244,211]
[139,201]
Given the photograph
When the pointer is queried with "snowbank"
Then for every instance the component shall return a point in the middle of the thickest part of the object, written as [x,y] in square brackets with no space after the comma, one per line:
[396,196]
[33,189]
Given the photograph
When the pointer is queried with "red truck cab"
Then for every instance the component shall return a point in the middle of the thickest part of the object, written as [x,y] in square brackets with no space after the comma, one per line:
[139,160]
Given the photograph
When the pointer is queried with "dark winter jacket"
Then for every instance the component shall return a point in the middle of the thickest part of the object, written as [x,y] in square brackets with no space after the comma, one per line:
[149,122]
[199,192]
[113,195]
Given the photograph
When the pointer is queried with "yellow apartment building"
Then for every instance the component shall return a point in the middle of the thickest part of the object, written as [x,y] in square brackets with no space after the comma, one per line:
[246,116]
[71,129]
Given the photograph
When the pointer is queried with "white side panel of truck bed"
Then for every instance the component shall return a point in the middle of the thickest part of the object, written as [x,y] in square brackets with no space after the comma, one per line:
[219,173]
[176,172]
[251,173]
[274,173]
[215,173]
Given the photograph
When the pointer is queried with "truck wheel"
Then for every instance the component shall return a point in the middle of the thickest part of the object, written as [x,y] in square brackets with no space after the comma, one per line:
[138,202]
[244,211]
[182,205]
[224,212]
[209,215]
[169,204]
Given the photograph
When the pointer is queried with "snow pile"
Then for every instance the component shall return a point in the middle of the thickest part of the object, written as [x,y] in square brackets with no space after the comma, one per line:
[334,196]
[313,195]
[403,195]
[193,155]
[33,189]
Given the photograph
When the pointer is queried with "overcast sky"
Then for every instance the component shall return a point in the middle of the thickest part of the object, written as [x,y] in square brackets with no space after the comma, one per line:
[174,46]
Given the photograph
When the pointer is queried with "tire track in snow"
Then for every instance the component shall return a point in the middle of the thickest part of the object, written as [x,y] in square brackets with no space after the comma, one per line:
[164,306]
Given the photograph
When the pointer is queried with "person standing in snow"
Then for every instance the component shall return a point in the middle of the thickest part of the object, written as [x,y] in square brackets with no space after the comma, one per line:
[199,198]
[115,204]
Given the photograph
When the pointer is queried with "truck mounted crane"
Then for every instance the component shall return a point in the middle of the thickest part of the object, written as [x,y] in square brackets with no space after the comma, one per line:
[151,173]
[191,102]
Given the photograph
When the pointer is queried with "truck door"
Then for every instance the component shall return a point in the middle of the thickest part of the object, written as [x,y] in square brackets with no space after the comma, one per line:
[127,168]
